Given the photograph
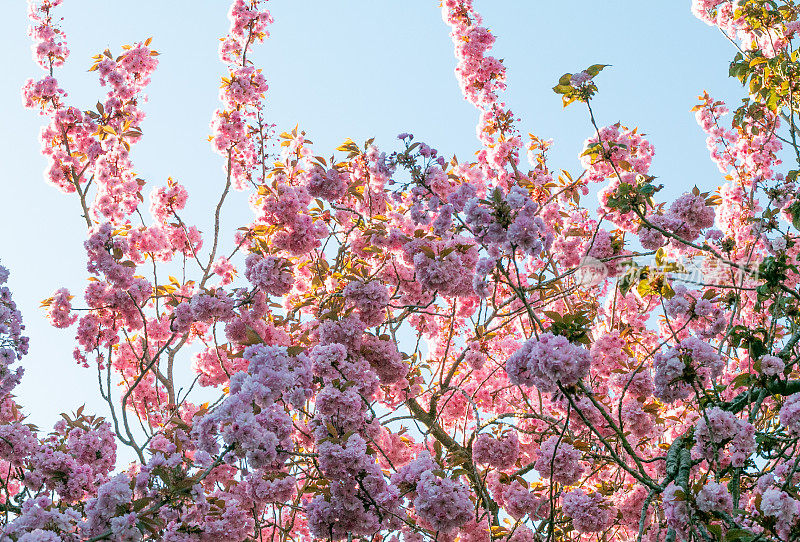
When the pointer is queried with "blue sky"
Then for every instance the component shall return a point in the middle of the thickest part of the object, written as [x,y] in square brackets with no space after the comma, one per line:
[359,69]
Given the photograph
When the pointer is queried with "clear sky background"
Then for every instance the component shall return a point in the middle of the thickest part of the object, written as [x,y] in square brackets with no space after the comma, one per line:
[338,68]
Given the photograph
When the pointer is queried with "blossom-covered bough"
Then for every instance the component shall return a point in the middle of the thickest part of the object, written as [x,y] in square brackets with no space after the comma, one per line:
[400,346]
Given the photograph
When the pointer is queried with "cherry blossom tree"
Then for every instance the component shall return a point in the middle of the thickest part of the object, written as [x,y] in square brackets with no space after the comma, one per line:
[401,346]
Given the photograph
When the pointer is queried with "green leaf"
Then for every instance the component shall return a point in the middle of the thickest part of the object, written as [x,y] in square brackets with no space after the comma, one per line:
[741,380]
[596,68]
[554,316]
[794,211]
[738,534]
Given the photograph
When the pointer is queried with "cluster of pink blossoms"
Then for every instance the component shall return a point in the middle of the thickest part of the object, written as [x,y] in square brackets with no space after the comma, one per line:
[548,362]
[49,43]
[285,209]
[498,452]
[790,414]
[614,150]
[729,16]
[688,310]
[60,310]
[481,77]
[559,461]
[94,144]
[677,368]
[718,431]
[329,185]
[715,497]
[687,217]
[748,152]
[439,501]
[166,201]
[242,96]
[272,275]
[13,344]
[782,508]
[589,512]
[620,155]
[520,227]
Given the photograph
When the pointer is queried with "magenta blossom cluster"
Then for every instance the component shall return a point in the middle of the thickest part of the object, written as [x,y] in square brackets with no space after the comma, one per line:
[692,360]
[498,452]
[13,344]
[548,362]
[720,436]
[560,461]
